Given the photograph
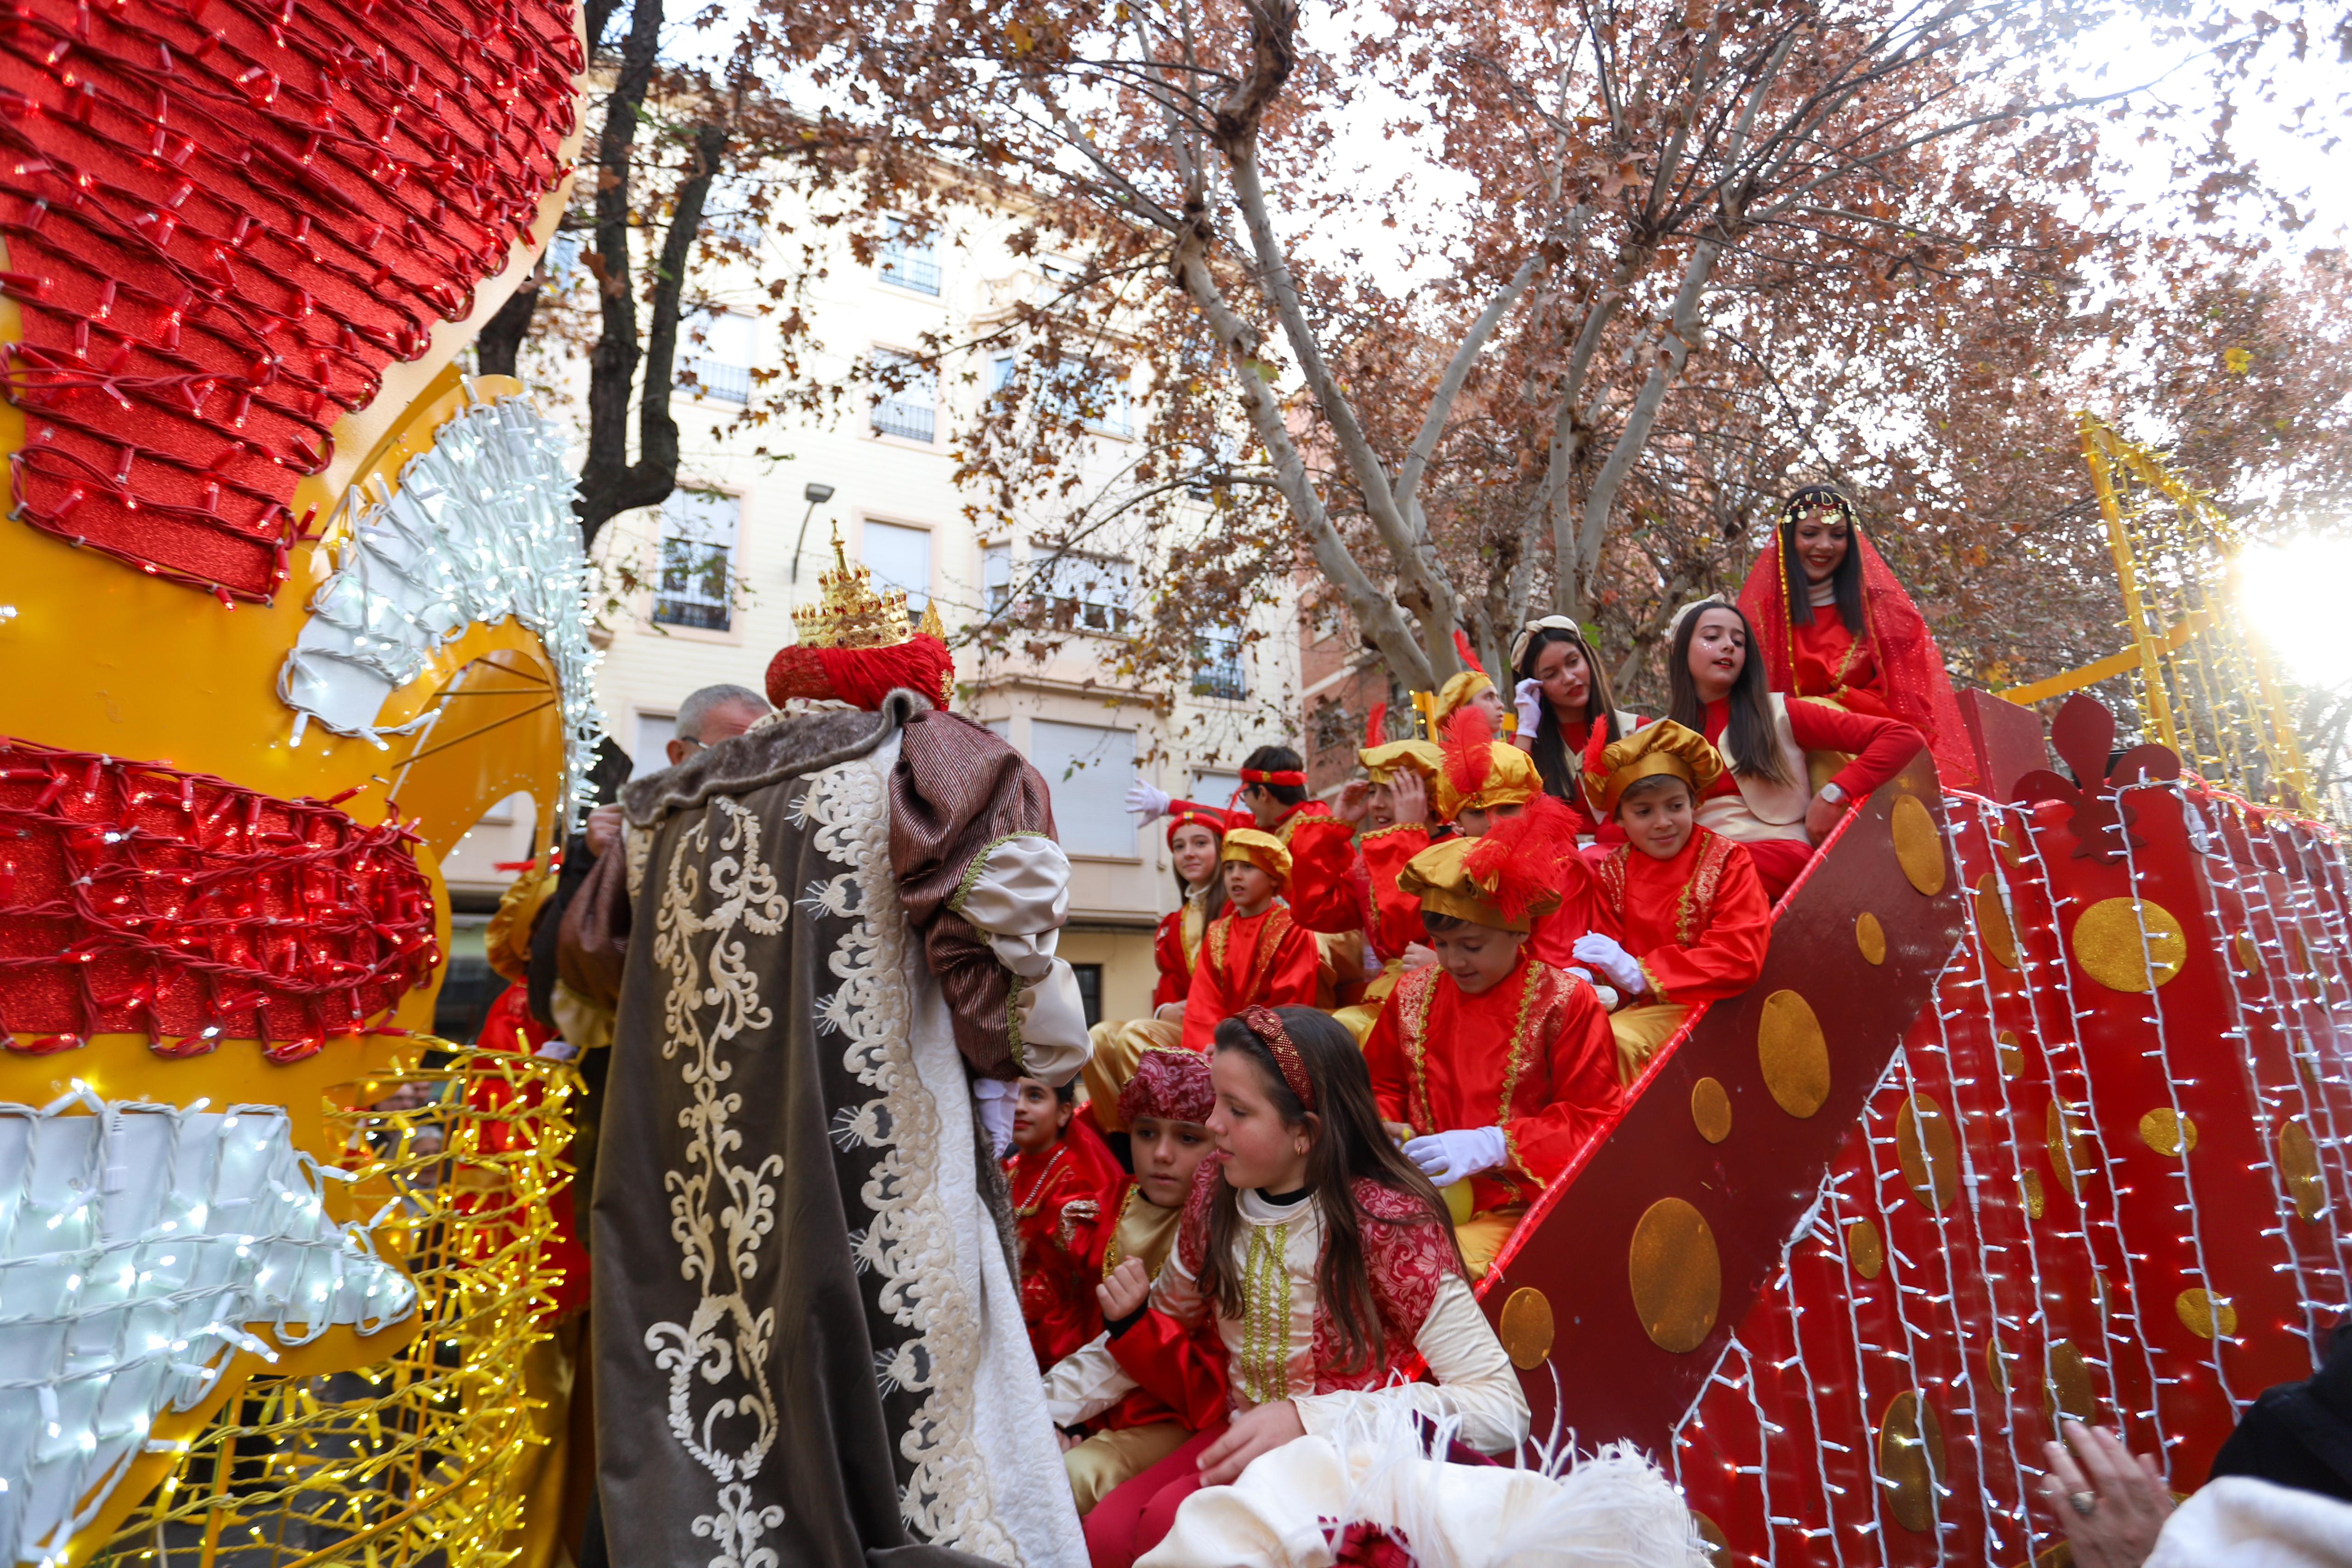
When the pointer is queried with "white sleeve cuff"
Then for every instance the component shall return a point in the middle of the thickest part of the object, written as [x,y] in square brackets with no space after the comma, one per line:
[1017,893]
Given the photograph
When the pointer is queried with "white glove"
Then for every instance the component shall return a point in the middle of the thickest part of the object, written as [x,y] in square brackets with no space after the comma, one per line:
[1148,800]
[1529,700]
[1448,1158]
[993,1096]
[1604,955]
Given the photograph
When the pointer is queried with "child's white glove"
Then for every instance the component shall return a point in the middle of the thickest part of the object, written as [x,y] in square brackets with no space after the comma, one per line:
[994,1098]
[1529,698]
[1608,998]
[1604,955]
[1148,799]
[1448,1158]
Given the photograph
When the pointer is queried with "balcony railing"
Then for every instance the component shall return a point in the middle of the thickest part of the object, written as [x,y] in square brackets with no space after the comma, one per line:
[695,587]
[911,269]
[1217,670]
[906,420]
[720,382]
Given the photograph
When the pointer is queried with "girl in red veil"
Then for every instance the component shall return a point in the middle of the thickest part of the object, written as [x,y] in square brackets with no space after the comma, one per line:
[1832,621]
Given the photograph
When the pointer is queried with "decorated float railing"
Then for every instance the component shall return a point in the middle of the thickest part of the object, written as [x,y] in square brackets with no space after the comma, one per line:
[2038,1111]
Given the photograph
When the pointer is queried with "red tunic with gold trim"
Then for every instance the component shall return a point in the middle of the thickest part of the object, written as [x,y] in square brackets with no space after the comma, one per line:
[1065,1209]
[1396,913]
[1197,1365]
[1267,960]
[1176,947]
[1699,923]
[1532,1055]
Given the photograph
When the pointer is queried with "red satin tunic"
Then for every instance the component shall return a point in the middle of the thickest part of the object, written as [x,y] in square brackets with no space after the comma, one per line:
[1699,923]
[1268,959]
[1532,1055]
[1064,1208]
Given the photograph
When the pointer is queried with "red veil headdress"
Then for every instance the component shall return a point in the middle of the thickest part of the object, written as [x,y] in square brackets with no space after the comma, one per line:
[1910,666]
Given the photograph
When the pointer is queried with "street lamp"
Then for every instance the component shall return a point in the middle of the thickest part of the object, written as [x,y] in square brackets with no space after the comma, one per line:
[817,495]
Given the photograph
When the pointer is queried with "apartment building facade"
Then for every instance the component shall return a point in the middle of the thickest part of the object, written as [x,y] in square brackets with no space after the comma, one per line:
[728,557]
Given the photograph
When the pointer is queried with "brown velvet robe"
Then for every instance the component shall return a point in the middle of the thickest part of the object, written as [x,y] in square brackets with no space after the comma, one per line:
[800,1271]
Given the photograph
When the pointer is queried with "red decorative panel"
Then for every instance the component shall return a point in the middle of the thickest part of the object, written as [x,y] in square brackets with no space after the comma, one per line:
[135,897]
[223,218]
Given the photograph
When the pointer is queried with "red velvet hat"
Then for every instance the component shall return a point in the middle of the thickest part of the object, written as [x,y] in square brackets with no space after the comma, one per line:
[1169,1086]
[856,647]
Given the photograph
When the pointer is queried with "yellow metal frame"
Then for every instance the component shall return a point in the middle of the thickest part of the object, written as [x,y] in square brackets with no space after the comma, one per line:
[2175,661]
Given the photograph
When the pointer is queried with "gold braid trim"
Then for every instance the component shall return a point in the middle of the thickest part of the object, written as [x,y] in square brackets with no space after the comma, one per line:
[1113,1256]
[1264,1369]
[1695,906]
[1537,982]
[1392,827]
[1219,930]
[978,866]
[1416,1040]
[1269,942]
[1611,878]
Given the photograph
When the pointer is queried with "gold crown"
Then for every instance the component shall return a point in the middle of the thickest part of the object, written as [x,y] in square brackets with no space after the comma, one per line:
[850,614]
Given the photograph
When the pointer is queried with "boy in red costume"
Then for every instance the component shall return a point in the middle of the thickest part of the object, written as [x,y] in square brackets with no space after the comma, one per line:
[1066,1189]
[1394,807]
[1495,1066]
[1196,834]
[1684,920]
[1325,887]
[1254,953]
[1166,1106]
[1485,781]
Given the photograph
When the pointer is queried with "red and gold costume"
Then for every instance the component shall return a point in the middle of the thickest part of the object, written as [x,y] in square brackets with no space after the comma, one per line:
[1483,774]
[1532,1055]
[1268,959]
[1175,948]
[1142,1428]
[1879,749]
[1889,667]
[1066,1201]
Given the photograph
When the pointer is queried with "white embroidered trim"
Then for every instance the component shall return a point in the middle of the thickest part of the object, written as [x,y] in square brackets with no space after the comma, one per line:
[724,1343]
[948,1501]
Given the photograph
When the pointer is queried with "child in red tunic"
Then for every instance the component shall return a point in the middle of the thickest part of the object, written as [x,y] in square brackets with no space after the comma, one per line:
[1684,921]
[1494,1065]
[1066,1186]
[1195,836]
[1165,1107]
[1320,1259]
[1254,952]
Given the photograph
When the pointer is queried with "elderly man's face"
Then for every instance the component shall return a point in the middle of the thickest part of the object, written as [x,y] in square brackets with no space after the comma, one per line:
[721,723]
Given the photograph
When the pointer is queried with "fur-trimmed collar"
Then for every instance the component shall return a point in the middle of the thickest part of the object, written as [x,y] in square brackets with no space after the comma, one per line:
[781,745]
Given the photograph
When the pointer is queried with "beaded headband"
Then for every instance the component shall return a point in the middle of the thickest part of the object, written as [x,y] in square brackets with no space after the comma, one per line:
[1801,507]
[1267,1024]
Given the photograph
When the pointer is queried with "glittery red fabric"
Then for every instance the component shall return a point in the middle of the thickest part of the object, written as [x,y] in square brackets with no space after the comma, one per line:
[223,220]
[862,677]
[1169,1086]
[136,897]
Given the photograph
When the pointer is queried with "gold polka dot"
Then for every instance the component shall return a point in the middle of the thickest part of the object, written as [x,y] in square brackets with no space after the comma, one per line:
[2109,944]
[1869,936]
[1997,1369]
[2036,1201]
[1911,1460]
[1526,1328]
[1792,1053]
[1863,1249]
[2167,1133]
[2300,952]
[1918,847]
[1719,1545]
[1930,1155]
[1992,922]
[2299,1162]
[2205,1314]
[1676,1275]
[2011,1054]
[2069,1391]
[1710,1110]
[2070,1152]
[2250,957]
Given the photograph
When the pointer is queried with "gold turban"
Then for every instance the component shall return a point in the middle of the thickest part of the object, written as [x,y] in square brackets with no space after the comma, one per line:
[1383,762]
[1457,690]
[1507,777]
[1254,846]
[1664,747]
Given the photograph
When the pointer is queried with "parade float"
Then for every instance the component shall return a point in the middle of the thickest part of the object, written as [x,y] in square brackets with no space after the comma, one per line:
[286,603]
[2038,1110]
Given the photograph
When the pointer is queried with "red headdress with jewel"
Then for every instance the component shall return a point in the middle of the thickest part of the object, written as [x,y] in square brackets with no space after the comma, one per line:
[1192,814]
[1910,666]
[856,647]
[1169,1085]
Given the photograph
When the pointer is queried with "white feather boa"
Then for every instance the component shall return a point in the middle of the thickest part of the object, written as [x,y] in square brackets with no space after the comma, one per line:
[1612,1510]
